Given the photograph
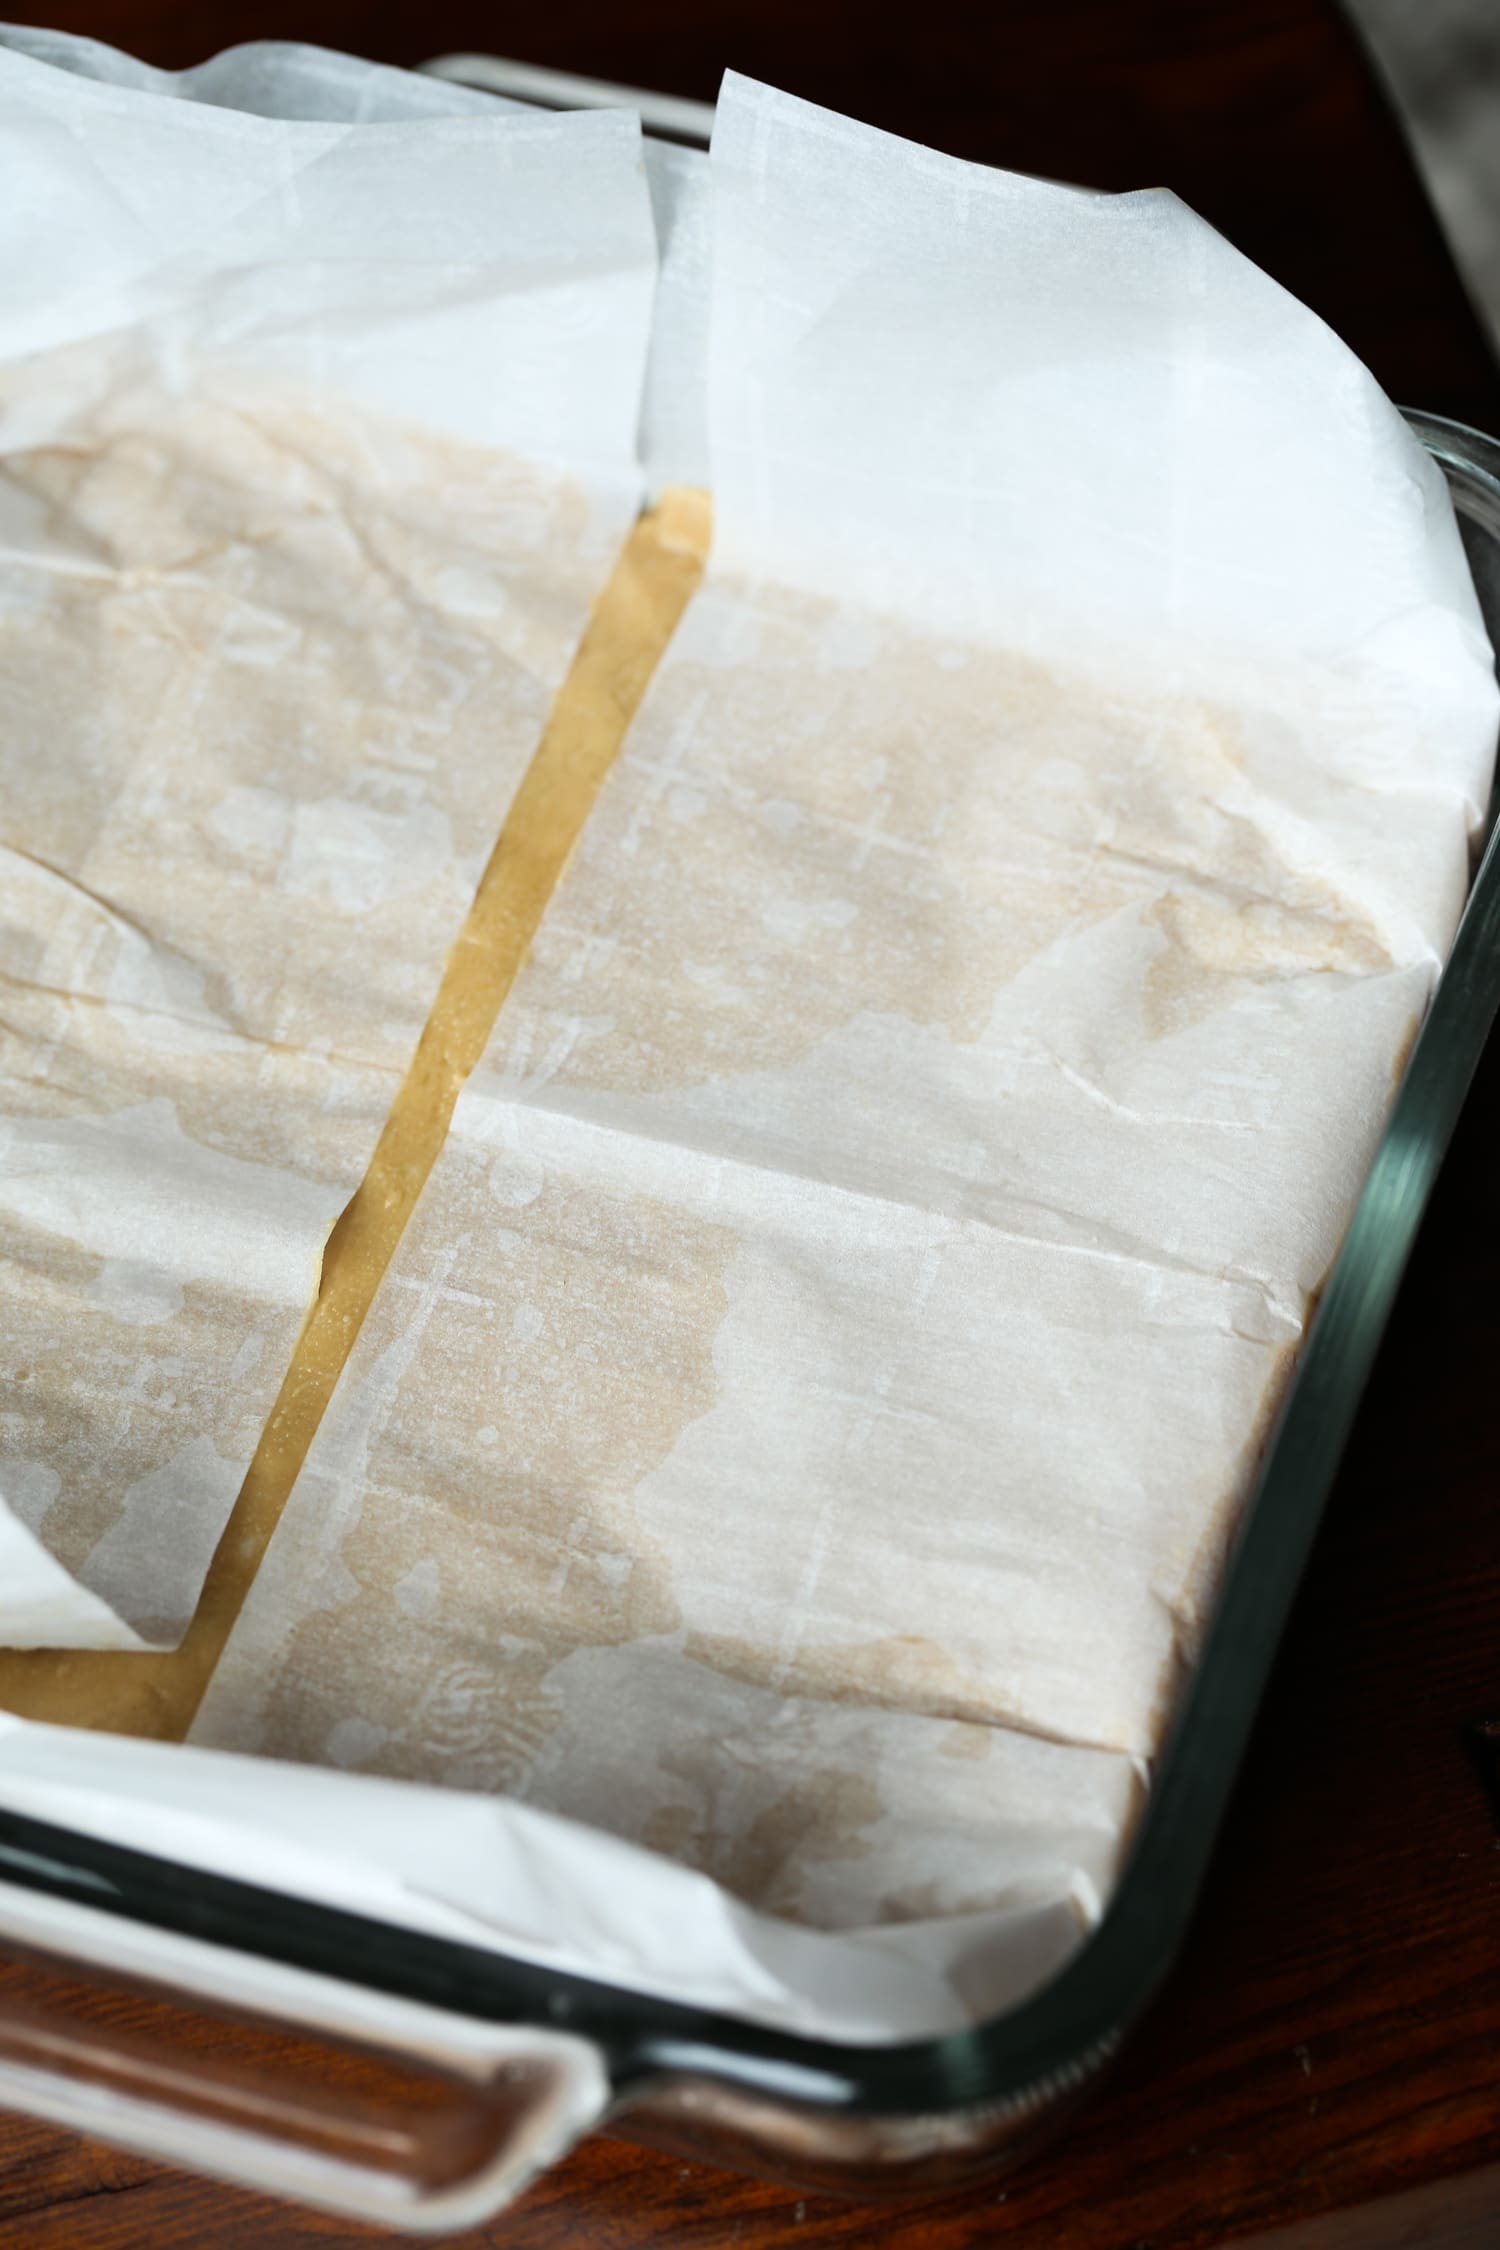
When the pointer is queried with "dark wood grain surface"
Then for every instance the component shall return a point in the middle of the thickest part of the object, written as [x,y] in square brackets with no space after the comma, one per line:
[1324,2069]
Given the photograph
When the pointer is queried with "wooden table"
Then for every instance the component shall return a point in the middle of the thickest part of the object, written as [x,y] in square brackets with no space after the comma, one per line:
[1323,2068]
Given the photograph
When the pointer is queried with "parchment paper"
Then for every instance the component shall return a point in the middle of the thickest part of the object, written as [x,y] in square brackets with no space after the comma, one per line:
[318,442]
[801,1426]
[283,79]
[833,1346]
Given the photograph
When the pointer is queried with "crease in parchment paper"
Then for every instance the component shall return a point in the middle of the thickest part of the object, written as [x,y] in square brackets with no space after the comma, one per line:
[944,1195]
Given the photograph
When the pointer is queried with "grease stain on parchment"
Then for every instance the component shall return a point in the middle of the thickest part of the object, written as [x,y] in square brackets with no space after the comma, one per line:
[824,1813]
[899,836]
[786,854]
[270,670]
[525,1537]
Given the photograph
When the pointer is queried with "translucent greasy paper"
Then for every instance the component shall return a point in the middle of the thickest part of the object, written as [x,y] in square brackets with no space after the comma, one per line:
[279,79]
[802,1426]
[318,442]
[784,1473]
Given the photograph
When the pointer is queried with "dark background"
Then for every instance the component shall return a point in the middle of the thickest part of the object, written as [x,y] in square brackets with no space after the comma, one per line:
[1441,60]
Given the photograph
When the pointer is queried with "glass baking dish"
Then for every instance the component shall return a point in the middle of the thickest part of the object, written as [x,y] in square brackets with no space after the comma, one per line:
[420,2083]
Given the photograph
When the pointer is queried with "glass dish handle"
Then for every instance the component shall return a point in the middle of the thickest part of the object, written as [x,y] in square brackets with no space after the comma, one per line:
[380,2137]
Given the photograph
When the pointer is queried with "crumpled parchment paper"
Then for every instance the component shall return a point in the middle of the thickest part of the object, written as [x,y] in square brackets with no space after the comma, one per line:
[841,1329]
[318,440]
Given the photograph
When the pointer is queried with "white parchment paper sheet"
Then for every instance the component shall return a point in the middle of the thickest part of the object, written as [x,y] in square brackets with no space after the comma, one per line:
[319,438]
[280,79]
[803,1424]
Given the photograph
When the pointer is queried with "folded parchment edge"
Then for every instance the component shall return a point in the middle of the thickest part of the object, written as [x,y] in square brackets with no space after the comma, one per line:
[51,1599]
